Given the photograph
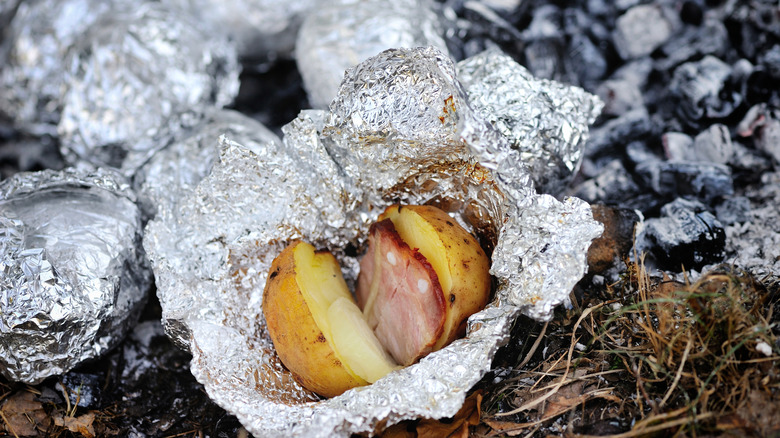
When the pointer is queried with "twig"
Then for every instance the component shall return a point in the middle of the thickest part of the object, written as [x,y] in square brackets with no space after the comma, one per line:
[535,346]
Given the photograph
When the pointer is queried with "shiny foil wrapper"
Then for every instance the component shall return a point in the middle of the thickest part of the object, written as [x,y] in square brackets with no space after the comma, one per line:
[175,171]
[34,48]
[400,130]
[74,275]
[548,135]
[135,78]
[338,35]
[258,27]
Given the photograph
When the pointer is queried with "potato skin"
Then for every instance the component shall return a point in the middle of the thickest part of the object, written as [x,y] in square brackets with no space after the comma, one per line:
[298,341]
[469,268]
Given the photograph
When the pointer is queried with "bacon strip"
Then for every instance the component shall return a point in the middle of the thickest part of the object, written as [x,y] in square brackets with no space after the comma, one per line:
[400,295]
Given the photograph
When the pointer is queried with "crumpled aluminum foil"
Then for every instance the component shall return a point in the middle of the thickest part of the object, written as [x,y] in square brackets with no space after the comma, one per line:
[258,27]
[401,129]
[338,35]
[500,90]
[36,43]
[135,78]
[176,170]
[74,276]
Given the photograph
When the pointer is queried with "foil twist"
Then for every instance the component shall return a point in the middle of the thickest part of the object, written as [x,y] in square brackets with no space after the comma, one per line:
[73,277]
[400,130]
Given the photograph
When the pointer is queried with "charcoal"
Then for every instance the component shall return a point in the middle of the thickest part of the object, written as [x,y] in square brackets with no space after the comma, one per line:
[733,210]
[698,87]
[691,12]
[714,145]
[83,389]
[685,236]
[763,125]
[497,28]
[694,42]
[24,153]
[770,60]
[585,61]
[705,182]
[543,57]
[677,146]
[620,96]
[759,87]
[639,152]
[617,132]
[616,187]
[641,30]
[747,164]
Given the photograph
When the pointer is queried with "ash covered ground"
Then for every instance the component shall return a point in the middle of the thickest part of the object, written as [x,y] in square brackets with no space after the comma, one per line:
[689,141]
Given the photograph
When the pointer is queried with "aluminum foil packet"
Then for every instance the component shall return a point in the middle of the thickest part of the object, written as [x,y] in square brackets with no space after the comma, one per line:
[136,78]
[260,28]
[175,171]
[337,35]
[400,130]
[74,275]
[500,89]
[34,48]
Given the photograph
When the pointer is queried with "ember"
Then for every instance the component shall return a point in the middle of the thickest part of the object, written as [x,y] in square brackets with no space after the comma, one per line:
[675,328]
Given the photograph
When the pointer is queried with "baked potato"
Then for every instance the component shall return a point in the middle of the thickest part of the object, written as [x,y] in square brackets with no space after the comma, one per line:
[318,331]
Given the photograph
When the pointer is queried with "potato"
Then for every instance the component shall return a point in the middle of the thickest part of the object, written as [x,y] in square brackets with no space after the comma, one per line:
[317,330]
[402,282]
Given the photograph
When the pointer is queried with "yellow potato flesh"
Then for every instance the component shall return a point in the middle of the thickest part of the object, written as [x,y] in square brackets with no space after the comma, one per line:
[459,261]
[310,315]
[356,343]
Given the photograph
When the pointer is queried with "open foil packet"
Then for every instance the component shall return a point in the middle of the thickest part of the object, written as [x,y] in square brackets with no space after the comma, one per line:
[74,276]
[400,130]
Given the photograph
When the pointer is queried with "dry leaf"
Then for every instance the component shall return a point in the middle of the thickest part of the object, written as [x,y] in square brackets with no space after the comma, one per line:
[457,427]
[22,415]
[81,424]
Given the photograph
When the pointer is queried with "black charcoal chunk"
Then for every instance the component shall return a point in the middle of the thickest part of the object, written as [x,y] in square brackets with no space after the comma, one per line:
[705,182]
[677,146]
[698,87]
[713,145]
[763,125]
[641,30]
[617,132]
[82,389]
[620,96]
[585,61]
[638,152]
[694,42]
[685,236]
[733,210]
[615,186]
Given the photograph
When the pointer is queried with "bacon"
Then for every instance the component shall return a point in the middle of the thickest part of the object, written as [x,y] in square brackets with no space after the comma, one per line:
[400,295]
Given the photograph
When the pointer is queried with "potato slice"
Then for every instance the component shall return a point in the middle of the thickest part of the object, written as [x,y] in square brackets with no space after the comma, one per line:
[461,270]
[317,330]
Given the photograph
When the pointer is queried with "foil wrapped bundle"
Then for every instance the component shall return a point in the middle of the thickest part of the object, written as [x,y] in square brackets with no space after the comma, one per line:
[74,275]
[176,170]
[338,35]
[135,78]
[499,89]
[402,117]
[260,28]
[35,46]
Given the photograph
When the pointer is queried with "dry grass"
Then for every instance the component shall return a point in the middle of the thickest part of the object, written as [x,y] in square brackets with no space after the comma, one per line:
[659,356]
